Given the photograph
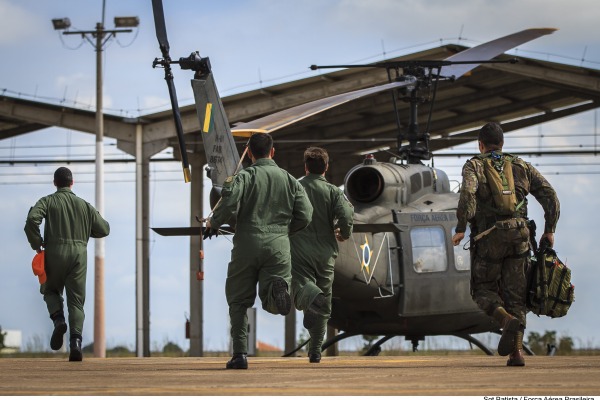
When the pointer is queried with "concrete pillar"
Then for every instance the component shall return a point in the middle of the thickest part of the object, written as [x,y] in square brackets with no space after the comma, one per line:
[333,349]
[196,262]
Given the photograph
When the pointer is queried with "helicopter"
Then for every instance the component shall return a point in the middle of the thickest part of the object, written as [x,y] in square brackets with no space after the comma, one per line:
[399,274]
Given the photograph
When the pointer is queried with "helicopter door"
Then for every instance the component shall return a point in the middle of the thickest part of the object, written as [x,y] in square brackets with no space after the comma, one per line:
[436,274]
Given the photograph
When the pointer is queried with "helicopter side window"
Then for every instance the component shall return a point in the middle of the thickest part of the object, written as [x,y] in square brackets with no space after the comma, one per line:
[429,249]
[462,257]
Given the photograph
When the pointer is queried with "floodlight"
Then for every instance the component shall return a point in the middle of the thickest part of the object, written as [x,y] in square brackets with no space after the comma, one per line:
[61,23]
[127,22]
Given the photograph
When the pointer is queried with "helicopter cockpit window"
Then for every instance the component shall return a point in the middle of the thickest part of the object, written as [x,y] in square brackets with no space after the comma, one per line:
[429,249]
[462,257]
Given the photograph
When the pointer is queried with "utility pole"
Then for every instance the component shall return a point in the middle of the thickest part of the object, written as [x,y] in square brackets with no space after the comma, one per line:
[98,38]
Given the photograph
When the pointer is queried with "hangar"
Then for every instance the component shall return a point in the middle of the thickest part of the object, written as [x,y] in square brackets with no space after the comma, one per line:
[519,95]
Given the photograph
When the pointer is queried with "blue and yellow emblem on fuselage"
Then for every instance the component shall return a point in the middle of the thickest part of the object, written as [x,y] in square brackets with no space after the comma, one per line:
[366,255]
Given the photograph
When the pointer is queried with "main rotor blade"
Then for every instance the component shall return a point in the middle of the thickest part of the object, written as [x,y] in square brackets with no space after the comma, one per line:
[161,35]
[161,28]
[281,119]
[489,50]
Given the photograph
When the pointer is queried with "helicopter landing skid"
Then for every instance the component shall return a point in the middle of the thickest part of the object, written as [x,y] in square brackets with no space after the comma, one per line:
[476,342]
[376,348]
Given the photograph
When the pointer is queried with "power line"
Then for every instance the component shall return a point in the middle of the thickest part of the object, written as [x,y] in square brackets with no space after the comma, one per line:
[81,161]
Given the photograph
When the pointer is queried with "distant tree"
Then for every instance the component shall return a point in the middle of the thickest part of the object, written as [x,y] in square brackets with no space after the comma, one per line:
[565,345]
[548,343]
[369,339]
[535,343]
[2,335]
[171,347]
[302,338]
[88,348]
[119,351]
[549,340]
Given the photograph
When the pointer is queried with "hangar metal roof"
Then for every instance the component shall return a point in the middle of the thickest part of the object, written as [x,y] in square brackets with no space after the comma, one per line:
[527,93]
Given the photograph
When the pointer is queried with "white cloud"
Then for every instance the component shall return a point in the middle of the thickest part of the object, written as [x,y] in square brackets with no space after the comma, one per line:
[17,24]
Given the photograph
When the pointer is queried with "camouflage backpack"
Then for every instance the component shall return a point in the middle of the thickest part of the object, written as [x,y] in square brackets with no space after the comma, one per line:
[550,291]
[498,171]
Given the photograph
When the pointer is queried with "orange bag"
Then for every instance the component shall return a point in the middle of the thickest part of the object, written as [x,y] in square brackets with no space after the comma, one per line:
[38,266]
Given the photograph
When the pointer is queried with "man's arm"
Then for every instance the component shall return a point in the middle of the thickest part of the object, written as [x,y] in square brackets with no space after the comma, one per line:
[32,225]
[343,211]
[302,213]
[232,192]
[100,227]
[545,194]
[467,204]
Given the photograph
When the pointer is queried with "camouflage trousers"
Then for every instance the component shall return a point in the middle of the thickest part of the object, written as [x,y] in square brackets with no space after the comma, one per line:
[498,273]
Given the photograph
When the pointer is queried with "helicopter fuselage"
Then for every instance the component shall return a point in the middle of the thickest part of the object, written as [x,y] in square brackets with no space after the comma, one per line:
[407,280]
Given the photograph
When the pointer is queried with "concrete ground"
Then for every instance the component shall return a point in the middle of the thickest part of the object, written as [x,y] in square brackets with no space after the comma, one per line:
[462,375]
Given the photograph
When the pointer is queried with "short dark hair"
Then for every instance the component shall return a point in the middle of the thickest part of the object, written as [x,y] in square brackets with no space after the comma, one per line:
[63,177]
[491,135]
[261,144]
[316,160]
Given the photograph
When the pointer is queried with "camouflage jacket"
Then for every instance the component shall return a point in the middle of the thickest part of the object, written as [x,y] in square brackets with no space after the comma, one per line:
[476,203]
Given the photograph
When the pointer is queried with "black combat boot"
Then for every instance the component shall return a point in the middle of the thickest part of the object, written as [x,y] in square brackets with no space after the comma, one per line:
[314,358]
[283,301]
[60,327]
[75,344]
[510,325]
[516,358]
[314,311]
[238,361]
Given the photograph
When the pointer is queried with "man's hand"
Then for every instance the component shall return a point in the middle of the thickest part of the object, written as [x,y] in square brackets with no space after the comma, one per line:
[338,235]
[457,238]
[549,237]
[209,232]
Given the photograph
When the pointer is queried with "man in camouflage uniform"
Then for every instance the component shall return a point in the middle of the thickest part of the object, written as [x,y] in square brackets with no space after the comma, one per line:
[270,205]
[70,222]
[500,242]
[315,249]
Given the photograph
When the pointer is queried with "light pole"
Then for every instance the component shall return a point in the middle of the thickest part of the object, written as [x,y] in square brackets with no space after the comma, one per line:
[98,38]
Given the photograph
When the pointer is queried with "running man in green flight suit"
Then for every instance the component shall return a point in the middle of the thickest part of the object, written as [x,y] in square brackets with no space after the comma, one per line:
[270,205]
[315,249]
[69,223]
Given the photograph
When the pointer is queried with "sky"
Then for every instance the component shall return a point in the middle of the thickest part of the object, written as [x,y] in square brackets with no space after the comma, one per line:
[252,44]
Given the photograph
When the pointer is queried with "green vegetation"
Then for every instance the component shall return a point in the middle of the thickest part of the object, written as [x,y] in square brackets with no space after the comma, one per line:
[2,335]
[549,344]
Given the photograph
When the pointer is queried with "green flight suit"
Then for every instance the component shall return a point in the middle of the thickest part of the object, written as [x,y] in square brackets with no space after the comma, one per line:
[270,205]
[315,249]
[500,258]
[69,223]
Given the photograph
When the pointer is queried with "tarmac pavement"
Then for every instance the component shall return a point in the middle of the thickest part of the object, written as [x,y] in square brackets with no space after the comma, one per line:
[455,375]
